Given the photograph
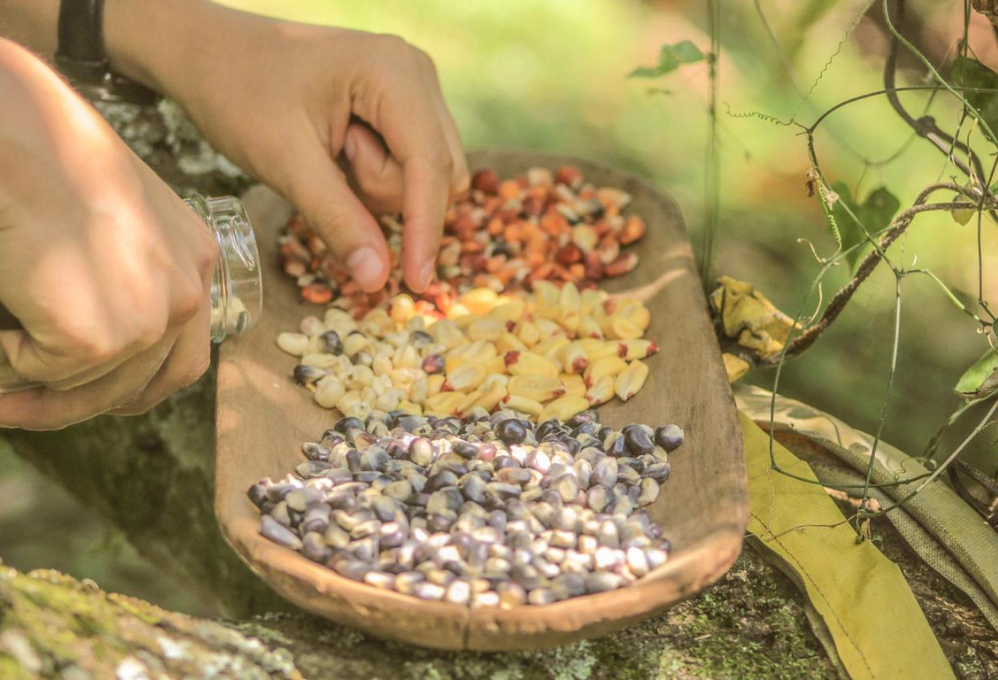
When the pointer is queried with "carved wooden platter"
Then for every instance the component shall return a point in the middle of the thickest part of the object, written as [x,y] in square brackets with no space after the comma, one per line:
[263,418]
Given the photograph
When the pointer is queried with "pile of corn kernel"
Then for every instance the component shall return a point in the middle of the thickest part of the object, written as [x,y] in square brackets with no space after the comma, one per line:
[547,354]
[503,235]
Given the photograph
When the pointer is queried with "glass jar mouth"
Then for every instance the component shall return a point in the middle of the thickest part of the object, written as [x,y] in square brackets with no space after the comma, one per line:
[237,288]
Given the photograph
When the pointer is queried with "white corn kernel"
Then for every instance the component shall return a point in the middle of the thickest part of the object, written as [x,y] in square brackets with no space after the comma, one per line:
[295,344]
[328,391]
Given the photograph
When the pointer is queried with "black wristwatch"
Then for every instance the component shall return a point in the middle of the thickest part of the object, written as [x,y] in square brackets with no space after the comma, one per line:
[81,57]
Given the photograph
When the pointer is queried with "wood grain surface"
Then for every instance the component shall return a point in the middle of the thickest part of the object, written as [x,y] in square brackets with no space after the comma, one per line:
[263,418]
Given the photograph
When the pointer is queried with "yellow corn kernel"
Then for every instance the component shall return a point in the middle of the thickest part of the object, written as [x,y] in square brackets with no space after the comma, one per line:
[590,299]
[549,329]
[494,379]
[479,352]
[573,357]
[434,384]
[469,402]
[546,294]
[630,381]
[466,378]
[403,309]
[496,365]
[589,328]
[457,311]
[604,349]
[568,297]
[636,349]
[410,408]
[510,310]
[621,328]
[488,328]
[295,344]
[491,397]
[569,319]
[444,403]
[552,350]
[528,363]
[537,387]
[528,333]
[508,342]
[601,391]
[479,301]
[573,384]
[611,366]
[564,408]
[528,407]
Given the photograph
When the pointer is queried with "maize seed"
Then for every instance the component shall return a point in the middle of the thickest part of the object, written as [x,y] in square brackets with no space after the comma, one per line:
[528,363]
[573,358]
[295,344]
[636,349]
[630,381]
[564,408]
[534,386]
[611,365]
[601,391]
[524,405]
[329,391]
[573,384]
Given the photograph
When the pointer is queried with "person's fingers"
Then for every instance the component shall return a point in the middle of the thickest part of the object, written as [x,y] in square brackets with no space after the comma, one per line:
[45,409]
[186,363]
[407,118]
[375,176]
[461,177]
[319,189]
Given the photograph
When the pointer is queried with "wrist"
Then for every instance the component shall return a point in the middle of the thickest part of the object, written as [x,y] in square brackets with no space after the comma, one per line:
[149,41]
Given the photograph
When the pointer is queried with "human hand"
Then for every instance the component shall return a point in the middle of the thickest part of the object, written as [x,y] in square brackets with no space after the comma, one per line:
[282,100]
[105,267]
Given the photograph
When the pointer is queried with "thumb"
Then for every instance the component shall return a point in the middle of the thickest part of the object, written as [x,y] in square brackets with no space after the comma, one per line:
[374,174]
[319,189]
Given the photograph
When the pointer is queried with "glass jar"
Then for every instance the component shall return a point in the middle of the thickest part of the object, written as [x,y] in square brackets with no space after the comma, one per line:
[237,286]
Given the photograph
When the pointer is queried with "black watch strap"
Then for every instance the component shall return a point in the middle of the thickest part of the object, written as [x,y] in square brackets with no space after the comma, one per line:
[80,55]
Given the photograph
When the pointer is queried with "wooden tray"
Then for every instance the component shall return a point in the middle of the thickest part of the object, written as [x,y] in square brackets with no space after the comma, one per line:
[263,418]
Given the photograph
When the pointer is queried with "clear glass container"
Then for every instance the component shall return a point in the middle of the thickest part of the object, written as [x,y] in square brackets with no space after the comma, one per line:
[236,289]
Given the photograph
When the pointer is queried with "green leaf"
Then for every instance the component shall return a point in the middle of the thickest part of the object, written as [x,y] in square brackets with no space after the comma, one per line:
[973,74]
[981,379]
[670,58]
[875,213]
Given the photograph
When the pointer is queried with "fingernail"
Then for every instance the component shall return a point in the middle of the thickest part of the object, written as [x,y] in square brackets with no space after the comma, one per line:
[426,275]
[366,266]
[350,146]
